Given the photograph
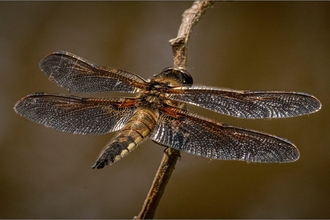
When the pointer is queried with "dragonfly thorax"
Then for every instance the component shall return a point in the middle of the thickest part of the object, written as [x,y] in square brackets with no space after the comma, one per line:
[153,96]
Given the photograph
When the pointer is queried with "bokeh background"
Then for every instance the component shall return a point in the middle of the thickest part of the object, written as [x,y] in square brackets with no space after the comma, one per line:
[241,45]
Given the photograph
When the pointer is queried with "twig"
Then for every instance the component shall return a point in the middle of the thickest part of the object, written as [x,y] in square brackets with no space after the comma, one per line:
[189,18]
[179,47]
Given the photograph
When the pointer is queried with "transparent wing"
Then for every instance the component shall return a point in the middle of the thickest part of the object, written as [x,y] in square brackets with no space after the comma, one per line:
[247,104]
[79,75]
[191,133]
[74,114]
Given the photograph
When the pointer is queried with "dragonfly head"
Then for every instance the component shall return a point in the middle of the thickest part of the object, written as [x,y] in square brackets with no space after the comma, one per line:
[176,76]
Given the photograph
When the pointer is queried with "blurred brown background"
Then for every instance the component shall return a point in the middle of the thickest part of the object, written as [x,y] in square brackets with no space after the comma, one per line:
[241,45]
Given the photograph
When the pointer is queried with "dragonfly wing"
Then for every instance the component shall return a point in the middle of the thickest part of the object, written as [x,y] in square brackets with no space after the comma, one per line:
[247,104]
[191,133]
[74,114]
[80,75]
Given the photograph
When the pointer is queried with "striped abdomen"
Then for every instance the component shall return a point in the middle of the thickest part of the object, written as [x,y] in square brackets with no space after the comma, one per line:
[134,132]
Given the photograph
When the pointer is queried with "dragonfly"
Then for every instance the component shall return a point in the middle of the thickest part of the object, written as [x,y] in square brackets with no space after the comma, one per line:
[158,112]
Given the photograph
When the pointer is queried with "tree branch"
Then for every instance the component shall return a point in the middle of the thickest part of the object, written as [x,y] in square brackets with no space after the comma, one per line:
[179,47]
[189,18]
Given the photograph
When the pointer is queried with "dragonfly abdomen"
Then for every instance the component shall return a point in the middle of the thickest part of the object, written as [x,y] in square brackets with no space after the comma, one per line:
[134,132]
